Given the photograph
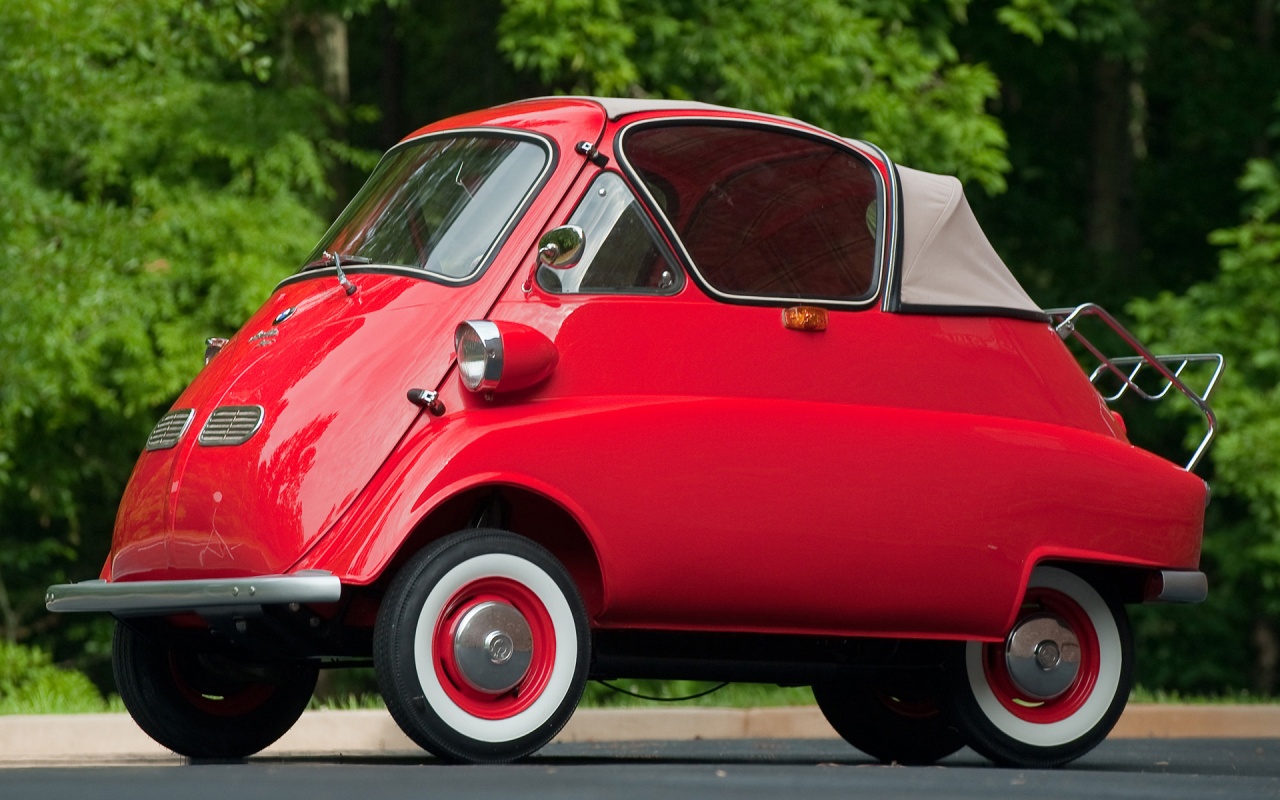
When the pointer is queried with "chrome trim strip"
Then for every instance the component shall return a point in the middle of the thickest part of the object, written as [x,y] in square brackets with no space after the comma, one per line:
[890,206]
[1182,586]
[161,597]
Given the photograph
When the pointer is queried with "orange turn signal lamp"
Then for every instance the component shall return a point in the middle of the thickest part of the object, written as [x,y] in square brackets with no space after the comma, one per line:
[804,318]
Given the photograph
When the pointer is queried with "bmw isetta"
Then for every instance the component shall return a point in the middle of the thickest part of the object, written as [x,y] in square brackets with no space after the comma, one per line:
[583,388]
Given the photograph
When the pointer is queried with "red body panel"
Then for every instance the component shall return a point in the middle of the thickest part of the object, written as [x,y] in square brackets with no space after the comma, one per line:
[334,377]
[754,497]
[893,475]
[253,508]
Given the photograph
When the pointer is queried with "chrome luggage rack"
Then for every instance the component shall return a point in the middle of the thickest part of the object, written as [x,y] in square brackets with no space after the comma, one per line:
[1126,369]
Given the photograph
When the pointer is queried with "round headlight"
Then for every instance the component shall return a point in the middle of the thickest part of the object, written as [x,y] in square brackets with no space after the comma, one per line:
[479,347]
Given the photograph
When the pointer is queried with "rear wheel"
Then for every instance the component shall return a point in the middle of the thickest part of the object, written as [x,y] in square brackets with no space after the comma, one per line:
[204,705]
[1054,688]
[895,718]
[481,647]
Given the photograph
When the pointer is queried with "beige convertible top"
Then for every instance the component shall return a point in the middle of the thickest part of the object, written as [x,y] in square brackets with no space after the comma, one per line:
[947,262]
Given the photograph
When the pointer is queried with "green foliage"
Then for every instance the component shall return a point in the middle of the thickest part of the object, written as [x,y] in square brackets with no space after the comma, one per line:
[883,70]
[1116,24]
[159,179]
[166,162]
[30,684]
[1235,314]
[733,695]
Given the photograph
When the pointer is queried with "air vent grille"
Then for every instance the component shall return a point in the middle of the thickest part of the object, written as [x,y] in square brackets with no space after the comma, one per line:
[230,425]
[170,428]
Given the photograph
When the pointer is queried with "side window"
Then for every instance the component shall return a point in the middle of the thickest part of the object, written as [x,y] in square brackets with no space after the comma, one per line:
[621,253]
[763,212]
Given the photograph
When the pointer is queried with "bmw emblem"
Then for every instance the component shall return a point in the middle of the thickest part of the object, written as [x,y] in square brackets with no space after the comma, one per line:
[283,315]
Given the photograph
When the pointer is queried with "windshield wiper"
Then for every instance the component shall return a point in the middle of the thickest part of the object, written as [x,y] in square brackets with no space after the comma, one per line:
[335,260]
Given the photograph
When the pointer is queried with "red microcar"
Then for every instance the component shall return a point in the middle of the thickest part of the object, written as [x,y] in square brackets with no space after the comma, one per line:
[584,388]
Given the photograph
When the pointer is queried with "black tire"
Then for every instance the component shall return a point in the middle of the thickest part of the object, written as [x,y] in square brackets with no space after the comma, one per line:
[499,598]
[198,706]
[897,718]
[1020,713]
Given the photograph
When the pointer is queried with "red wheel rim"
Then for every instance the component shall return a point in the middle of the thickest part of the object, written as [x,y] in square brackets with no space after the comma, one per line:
[1041,600]
[909,708]
[227,700]
[511,702]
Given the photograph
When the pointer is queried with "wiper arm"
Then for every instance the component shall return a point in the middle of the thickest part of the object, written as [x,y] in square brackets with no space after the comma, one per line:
[335,260]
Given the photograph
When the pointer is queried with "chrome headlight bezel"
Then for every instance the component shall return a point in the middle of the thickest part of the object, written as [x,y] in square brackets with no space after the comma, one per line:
[478,346]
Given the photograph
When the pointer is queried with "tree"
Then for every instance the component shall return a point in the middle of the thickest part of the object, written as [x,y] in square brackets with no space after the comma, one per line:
[160,177]
[883,70]
[1115,187]
[1235,314]
[1127,121]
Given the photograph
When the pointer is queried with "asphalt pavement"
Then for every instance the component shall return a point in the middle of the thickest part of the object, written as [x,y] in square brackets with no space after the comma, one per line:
[114,739]
[734,769]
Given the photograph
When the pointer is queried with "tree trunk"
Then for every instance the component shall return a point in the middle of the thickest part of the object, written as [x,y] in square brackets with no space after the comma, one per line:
[1264,26]
[330,32]
[316,52]
[390,81]
[335,79]
[1267,654]
[9,617]
[1111,231]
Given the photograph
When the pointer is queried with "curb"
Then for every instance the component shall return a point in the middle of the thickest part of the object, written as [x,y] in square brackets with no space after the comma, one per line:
[83,739]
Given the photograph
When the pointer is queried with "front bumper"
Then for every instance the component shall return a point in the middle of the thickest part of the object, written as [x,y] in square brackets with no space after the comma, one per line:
[145,598]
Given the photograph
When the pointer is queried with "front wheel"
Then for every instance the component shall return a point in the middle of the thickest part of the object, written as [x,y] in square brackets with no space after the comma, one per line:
[207,705]
[1054,688]
[481,647]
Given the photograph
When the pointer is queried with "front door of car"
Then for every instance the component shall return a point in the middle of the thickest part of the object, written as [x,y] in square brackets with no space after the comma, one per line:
[737,470]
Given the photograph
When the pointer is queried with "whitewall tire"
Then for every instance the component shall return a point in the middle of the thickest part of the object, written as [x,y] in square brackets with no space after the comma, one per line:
[1054,688]
[481,647]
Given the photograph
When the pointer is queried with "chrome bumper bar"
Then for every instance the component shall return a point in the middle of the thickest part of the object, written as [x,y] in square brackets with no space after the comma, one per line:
[137,598]
[1177,586]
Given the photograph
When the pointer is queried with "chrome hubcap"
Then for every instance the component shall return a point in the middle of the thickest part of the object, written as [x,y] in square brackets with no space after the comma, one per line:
[493,647]
[1043,656]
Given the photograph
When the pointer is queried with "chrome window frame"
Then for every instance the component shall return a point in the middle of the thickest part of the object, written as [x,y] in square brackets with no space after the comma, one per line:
[552,160]
[658,236]
[887,234]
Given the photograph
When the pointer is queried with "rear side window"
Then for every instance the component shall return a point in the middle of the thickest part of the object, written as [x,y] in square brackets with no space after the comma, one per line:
[763,213]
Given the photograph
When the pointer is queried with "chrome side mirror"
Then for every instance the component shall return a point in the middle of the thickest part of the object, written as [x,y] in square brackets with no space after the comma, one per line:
[561,248]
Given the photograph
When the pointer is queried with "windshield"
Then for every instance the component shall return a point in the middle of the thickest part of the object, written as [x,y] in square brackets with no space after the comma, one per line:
[437,204]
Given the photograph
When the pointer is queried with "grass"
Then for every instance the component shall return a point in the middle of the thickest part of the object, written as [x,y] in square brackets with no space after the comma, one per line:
[1228,697]
[597,695]
[31,684]
[755,695]
[48,700]
[733,695]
